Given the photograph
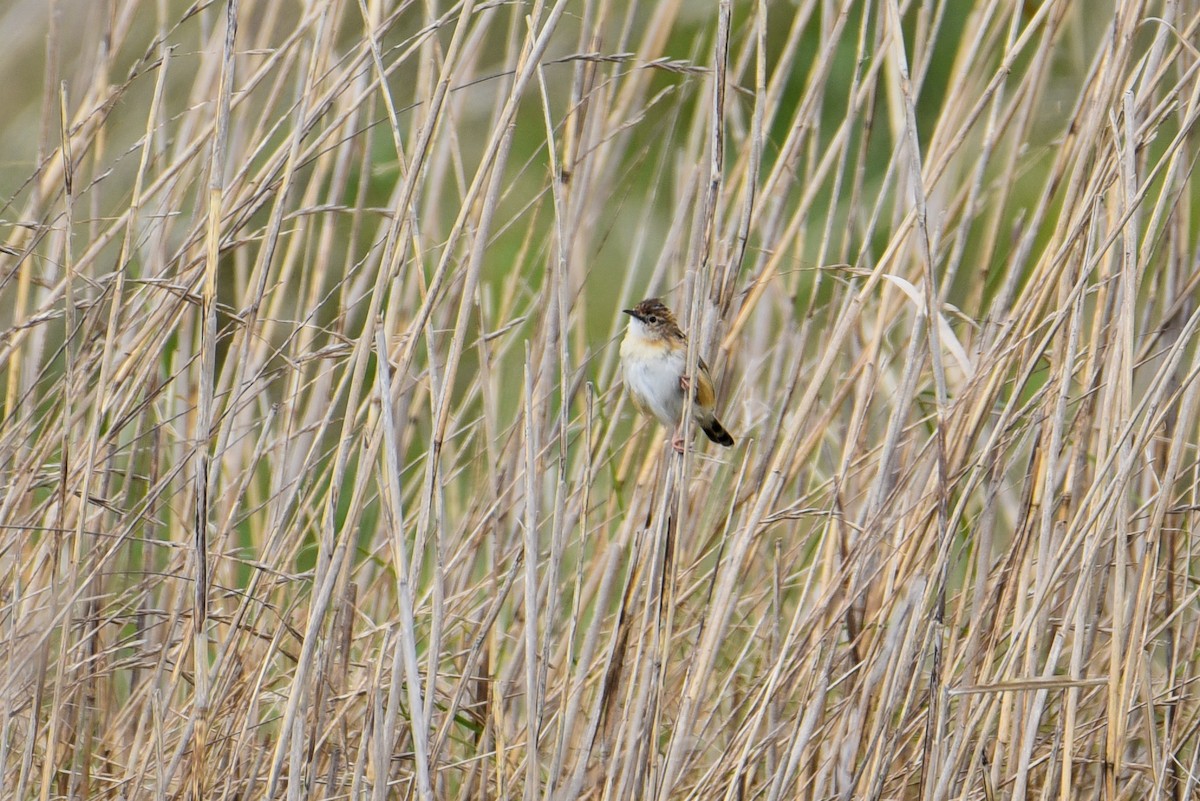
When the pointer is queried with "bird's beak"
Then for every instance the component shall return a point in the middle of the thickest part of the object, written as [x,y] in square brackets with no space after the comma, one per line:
[631,313]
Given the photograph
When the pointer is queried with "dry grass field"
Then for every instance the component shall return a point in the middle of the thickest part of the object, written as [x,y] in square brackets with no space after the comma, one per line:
[318,480]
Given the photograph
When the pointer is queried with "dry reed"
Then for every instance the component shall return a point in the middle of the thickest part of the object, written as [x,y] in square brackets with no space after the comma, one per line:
[317,479]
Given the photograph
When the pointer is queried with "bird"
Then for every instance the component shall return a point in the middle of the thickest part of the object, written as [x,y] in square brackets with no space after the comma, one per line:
[654,364]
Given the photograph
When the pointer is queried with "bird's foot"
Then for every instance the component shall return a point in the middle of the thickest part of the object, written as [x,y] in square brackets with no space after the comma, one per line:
[685,383]
[677,444]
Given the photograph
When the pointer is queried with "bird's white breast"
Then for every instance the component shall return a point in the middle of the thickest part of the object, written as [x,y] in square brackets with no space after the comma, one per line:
[652,372]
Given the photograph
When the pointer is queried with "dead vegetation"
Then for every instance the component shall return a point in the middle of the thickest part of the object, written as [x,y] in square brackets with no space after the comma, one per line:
[330,299]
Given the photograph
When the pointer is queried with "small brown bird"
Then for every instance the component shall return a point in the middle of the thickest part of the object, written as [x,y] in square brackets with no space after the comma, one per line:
[654,360]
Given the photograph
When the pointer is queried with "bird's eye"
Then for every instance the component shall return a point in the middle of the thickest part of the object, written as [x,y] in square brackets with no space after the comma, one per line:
[652,320]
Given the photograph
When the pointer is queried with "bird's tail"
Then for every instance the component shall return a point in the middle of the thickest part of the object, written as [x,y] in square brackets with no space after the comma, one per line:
[716,432]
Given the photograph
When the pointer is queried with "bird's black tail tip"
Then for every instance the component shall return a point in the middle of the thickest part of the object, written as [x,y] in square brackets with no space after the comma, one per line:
[717,433]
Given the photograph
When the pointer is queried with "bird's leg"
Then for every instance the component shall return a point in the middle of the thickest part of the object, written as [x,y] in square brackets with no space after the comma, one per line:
[677,437]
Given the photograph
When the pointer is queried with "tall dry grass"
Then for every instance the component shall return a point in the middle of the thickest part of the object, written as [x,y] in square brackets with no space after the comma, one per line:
[317,477]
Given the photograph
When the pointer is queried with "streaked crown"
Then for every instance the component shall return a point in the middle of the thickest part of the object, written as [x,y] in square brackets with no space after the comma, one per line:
[656,317]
